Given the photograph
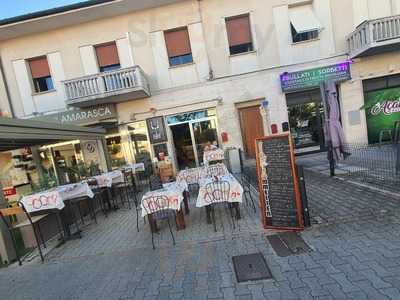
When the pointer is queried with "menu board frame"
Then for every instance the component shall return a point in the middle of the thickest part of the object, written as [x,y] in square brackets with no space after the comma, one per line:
[297,197]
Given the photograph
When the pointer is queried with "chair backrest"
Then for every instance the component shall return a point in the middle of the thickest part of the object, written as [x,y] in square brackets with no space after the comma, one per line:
[8,213]
[155,183]
[216,170]
[217,191]
[158,206]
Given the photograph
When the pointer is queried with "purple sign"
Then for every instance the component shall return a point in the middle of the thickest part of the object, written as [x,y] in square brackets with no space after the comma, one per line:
[306,79]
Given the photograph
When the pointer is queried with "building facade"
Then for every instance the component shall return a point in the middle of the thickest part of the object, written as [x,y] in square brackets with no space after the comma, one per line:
[169,76]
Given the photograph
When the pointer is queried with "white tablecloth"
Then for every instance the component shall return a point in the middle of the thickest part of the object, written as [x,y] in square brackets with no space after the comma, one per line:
[169,197]
[233,194]
[107,179]
[55,197]
[213,155]
[194,175]
[137,167]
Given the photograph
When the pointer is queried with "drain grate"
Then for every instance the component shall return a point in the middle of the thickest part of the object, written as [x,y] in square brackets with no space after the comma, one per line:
[251,267]
[288,243]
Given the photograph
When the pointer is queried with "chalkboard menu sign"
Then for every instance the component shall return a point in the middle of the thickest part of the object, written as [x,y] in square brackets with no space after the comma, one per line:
[278,185]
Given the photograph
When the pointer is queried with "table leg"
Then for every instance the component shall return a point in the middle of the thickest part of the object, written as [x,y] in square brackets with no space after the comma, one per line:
[237,209]
[208,214]
[180,220]
[186,201]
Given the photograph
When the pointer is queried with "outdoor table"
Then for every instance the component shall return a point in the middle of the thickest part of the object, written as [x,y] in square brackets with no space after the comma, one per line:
[106,180]
[234,196]
[55,199]
[213,155]
[135,167]
[194,175]
[176,193]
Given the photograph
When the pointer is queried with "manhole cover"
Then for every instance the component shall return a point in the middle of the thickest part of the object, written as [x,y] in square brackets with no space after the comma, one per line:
[251,267]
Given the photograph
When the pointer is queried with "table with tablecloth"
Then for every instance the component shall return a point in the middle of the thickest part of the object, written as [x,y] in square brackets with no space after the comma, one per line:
[194,175]
[171,196]
[233,193]
[135,167]
[109,178]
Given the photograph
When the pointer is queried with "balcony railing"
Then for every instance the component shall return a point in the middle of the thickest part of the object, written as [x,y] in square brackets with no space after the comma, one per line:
[107,87]
[375,36]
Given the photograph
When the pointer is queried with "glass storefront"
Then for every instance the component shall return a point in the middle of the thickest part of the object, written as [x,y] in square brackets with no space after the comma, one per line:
[306,112]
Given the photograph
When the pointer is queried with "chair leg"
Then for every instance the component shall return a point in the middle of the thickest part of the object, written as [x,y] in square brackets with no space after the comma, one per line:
[232,217]
[128,191]
[170,230]
[14,242]
[37,242]
[59,225]
[152,238]
[80,212]
[40,234]
[93,208]
[75,221]
[213,218]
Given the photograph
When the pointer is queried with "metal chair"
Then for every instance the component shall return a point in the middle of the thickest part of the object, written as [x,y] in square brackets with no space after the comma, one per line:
[8,215]
[155,183]
[131,189]
[156,212]
[217,192]
[99,196]
[216,170]
[245,180]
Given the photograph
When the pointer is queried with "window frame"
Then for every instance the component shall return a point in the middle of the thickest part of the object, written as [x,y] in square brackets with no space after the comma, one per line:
[37,82]
[179,58]
[250,45]
[303,36]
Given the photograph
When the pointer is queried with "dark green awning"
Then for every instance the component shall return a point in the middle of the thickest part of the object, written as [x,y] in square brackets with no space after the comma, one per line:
[19,133]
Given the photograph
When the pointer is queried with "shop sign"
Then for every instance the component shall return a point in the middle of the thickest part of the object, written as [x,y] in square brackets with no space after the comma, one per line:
[9,192]
[382,111]
[306,79]
[156,128]
[82,116]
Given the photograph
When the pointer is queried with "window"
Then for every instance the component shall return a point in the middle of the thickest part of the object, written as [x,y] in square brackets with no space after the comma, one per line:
[304,25]
[40,73]
[178,46]
[107,57]
[239,34]
[304,36]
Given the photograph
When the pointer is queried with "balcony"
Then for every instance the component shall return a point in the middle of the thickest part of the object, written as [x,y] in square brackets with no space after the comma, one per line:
[375,37]
[108,87]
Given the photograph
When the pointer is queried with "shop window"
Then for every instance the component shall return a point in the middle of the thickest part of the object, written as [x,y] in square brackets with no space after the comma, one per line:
[304,25]
[239,34]
[114,147]
[40,73]
[178,46]
[107,57]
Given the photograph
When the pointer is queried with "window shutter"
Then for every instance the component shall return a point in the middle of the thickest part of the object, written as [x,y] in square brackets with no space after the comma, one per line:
[107,55]
[39,67]
[177,42]
[238,29]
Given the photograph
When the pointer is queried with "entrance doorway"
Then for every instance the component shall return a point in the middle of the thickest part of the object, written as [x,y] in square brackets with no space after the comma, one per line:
[183,146]
[191,132]
[251,124]
[306,119]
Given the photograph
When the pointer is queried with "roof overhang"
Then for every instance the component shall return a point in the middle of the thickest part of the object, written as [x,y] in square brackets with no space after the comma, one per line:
[69,15]
[20,133]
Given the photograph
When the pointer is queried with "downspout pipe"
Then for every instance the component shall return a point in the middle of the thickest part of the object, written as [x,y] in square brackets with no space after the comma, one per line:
[9,102]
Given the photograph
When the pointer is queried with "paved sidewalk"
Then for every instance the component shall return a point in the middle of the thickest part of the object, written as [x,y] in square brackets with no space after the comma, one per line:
[356,256]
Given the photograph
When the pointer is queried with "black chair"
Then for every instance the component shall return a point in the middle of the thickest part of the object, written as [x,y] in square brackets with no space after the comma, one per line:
[8,215]
[124,189]
[155,183]
[246,184]
[217,193]
[131,190]
[157,214]
[100,196]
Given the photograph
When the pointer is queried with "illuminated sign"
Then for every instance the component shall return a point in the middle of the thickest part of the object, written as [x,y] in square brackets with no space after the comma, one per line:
[306,79]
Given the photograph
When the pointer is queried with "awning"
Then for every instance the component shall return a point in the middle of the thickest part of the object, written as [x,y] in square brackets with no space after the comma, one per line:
[20,133]
[303,19]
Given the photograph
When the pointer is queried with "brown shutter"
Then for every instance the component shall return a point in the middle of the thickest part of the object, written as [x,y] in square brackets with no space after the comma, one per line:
[238,29]
[177,42]
[107,55]
[39,67]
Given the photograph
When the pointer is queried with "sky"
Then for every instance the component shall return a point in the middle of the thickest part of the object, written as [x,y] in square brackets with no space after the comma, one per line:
[12,8]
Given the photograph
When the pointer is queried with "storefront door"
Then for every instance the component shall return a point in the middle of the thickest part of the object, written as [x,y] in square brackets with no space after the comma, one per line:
[305,112]
[190,132]
[252,127]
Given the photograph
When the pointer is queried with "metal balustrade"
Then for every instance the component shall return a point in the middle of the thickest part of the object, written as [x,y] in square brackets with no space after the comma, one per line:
[106,84]
[374,36]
